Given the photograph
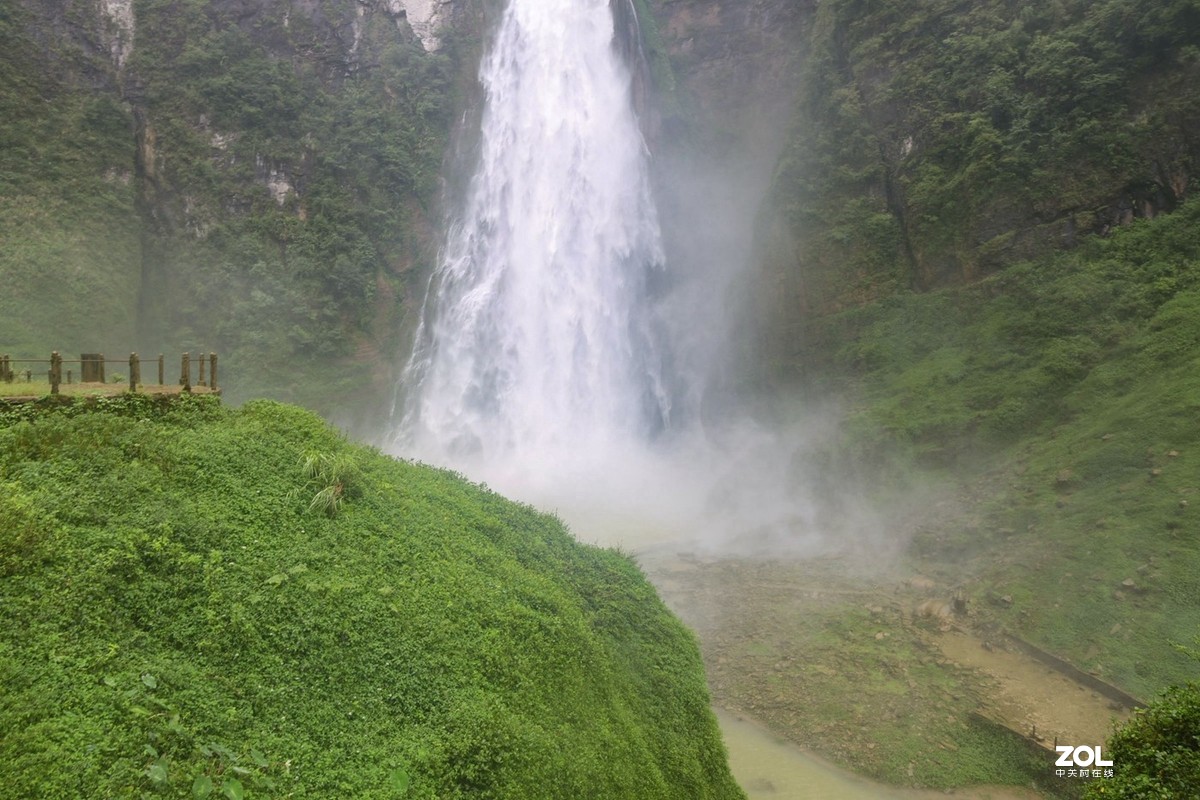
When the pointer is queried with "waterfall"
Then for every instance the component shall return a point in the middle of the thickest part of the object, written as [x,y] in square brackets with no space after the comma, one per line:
[539,338]
[554,359]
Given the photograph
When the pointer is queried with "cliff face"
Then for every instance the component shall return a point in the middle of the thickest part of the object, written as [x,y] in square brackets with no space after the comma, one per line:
[932,146]
[735,64]
[261,177]
[257,177]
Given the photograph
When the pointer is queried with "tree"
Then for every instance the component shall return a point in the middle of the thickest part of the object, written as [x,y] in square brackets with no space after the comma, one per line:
[1156,754]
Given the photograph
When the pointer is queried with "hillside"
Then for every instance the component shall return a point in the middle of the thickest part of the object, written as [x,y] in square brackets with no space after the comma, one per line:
[198,596]
[1061,394]
[223,176]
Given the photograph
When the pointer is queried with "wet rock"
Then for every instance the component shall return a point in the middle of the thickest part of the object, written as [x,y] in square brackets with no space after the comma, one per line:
[1130,585]
[922,583]
[960,603]
[934,609]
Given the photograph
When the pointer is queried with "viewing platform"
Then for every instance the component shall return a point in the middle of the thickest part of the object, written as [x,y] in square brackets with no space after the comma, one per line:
[24,380]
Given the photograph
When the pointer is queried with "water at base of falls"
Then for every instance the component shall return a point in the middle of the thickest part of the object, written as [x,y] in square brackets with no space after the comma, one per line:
[539,339]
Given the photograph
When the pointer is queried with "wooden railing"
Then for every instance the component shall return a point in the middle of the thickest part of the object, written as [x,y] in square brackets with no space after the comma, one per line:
[92,370]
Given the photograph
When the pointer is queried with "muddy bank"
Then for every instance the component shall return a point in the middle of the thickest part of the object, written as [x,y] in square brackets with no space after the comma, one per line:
[880,674]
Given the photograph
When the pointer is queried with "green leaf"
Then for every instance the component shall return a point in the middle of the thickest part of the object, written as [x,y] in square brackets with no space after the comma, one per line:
[399,780]
[259,759]
[232,789]
[202,787]
[157,772]
[277,579]
[150,681]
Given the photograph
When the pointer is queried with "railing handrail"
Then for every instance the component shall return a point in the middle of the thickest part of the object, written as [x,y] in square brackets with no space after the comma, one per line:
[207,369]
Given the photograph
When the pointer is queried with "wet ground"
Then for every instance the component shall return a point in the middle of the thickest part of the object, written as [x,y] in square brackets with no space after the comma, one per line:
[818,665]
[771,768]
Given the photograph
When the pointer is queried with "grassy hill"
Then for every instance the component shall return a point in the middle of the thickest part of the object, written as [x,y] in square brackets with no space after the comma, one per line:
[207,602]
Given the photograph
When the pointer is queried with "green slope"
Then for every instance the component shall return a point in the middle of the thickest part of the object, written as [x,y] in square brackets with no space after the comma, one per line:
[175,614]
[1065,392]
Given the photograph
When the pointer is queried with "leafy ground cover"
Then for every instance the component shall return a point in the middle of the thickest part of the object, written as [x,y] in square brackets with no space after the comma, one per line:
[1064,394]
[185,616]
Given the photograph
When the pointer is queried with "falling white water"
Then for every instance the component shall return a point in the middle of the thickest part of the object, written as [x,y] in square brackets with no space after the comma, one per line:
[541,364]
[539,340]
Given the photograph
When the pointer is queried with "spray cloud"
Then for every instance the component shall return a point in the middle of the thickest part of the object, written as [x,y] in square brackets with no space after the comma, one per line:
[555,360]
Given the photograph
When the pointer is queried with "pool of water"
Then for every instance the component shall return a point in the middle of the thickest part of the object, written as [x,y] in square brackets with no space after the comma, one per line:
[770,768]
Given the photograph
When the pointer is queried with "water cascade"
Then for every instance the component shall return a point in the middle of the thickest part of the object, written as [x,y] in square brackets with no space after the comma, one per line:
[552,361]
[539,341]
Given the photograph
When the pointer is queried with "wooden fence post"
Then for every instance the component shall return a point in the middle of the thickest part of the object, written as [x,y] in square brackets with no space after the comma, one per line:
[185,378]
[203,360]
[103,379]
[70,378]
[135,371]
[29,376]
[160,369]
[55,371]
[212,371]
[5,369]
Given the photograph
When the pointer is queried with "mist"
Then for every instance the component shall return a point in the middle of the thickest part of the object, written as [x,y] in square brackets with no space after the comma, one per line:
[585,345]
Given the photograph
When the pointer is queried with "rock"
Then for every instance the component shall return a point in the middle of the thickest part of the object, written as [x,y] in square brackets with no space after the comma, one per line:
[1115,629]
[934,609]
[1064,477]
[1118,595]
[1129,583]
[1173,454]
[1006,600]
[1154,473]
[1183,503]
[1106,437]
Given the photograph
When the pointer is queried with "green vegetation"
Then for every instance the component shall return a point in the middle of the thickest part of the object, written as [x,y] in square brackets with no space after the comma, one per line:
[1064,391]
[180,621]
[257,185]
[69,264]
[938,143]
[1156,755]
